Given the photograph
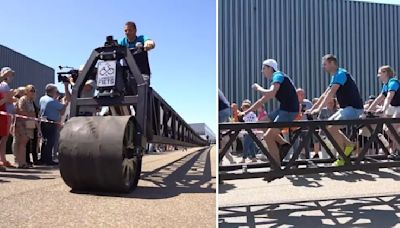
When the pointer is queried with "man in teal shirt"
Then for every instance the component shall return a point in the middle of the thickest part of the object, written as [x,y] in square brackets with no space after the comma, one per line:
[131,40]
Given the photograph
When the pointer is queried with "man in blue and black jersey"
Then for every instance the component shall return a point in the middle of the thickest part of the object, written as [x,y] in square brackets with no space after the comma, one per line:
[131,40]
[283,89]
[342,86]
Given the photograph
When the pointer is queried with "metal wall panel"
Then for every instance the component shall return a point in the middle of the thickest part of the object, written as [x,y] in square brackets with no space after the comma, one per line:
[28,71]
[203,130]
[297,33]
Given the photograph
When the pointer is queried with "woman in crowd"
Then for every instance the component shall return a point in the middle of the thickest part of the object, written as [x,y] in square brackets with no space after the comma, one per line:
[19,92]
[262,115]
[32,145]
[389,98]
[24,129]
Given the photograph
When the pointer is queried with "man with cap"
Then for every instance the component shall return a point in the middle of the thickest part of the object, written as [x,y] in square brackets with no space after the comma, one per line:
[6,76]
[283,89]
[342,86]
[51,109]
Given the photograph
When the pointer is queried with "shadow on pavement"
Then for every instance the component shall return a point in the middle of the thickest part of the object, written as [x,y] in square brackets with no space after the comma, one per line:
[377,211]
[36,173]
[19,176]
[4,181]
[314,180]
[189,174]
[225,187]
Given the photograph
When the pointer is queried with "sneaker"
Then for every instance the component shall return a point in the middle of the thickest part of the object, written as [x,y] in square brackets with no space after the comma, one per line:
[284,150]
[52,163]
[39,162]
[243,160]
[254,160]
[348,150]
[339,162]
[395,156]
[24,166]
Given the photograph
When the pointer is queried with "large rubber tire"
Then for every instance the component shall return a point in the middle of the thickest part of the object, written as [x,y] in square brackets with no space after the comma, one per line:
[96,154]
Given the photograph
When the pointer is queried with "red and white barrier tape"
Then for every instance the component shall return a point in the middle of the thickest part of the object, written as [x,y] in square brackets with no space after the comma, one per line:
[27,117]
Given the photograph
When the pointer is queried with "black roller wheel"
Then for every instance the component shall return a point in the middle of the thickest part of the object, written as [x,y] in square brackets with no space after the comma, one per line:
[98,154]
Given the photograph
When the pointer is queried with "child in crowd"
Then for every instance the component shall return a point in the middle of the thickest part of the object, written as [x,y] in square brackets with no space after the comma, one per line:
[249,150]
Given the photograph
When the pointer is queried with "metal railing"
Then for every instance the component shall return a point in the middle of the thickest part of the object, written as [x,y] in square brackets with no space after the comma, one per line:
[359,160]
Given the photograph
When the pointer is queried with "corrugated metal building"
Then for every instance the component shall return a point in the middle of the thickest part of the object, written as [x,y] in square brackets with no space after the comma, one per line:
[297,33]
[27,70]
[203,130]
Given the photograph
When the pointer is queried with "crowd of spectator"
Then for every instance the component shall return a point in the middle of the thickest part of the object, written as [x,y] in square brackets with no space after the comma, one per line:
[19,125]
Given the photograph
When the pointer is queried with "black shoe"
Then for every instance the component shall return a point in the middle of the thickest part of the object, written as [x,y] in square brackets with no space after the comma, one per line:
[283,150]
[273,177]
[316,156]
[24,166]
[39,162]
[52,163]
[395,156]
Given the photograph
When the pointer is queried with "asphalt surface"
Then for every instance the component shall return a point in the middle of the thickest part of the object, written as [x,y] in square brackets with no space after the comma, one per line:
[177,189]
[349,199]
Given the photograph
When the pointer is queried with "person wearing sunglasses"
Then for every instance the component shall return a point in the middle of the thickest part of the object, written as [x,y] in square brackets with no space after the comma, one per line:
[24,128]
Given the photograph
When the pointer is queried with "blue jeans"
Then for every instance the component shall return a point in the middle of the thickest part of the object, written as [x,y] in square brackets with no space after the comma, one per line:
[223,115]
[282,116]
[347,113]
[249,147]
[49,133]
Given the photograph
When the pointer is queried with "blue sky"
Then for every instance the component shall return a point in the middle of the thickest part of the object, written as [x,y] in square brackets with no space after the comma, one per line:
[183,63]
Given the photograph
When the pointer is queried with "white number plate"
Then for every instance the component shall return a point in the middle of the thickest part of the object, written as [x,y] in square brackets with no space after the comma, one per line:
[106,72]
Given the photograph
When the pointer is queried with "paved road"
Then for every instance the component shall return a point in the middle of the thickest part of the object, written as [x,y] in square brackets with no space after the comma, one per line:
[350,199]
[177,189]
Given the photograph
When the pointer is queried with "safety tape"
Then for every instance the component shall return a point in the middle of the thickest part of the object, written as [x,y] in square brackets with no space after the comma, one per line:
[28,118]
